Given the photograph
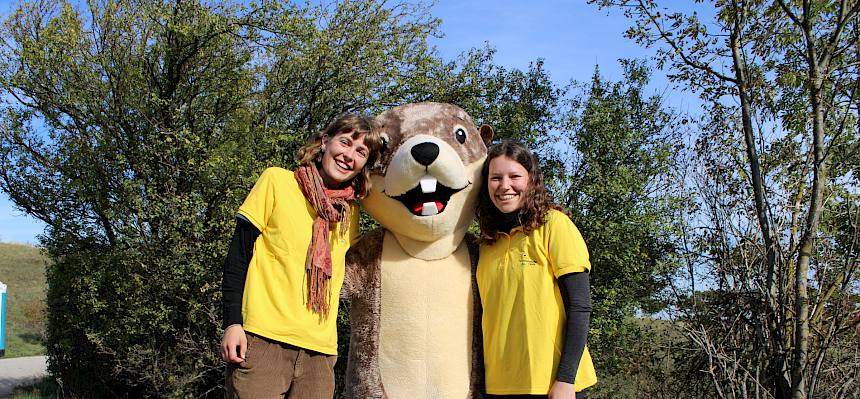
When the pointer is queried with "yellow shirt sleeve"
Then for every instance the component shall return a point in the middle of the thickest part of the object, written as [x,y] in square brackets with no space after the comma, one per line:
[567,250]
[260,201]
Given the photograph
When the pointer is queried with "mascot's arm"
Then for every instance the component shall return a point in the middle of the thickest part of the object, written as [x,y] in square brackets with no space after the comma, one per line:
[359,261]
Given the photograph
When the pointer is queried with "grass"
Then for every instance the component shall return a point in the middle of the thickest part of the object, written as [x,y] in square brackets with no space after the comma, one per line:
[42,389]
[22,269]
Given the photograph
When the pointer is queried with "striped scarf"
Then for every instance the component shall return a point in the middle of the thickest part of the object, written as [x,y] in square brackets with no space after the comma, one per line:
[332,206]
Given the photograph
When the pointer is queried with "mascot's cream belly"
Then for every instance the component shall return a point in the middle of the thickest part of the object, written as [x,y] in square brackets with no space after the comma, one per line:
[426,309]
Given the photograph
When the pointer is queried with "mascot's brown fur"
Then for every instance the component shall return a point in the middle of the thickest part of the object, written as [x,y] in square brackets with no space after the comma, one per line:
[415,314]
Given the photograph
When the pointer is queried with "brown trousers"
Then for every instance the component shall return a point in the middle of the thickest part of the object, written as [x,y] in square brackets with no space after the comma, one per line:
[276,370]
[579,395]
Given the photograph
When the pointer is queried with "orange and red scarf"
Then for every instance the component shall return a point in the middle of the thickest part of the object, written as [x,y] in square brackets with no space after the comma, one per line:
[332,206]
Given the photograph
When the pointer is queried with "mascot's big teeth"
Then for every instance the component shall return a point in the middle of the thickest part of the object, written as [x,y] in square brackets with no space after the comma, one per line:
[428,184]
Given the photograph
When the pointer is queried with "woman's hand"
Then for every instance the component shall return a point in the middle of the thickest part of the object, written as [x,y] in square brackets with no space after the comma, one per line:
[234,337]
[562,390]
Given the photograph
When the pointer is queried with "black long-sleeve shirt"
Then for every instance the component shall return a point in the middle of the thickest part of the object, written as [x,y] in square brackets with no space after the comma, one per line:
[575,294]
[236,269]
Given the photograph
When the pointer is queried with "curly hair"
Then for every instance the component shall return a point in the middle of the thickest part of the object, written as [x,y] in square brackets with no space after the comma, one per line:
[537,203]
[355,125]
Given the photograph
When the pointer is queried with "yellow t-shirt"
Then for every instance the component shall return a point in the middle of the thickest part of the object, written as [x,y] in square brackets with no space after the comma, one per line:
[523,313]
[274,300]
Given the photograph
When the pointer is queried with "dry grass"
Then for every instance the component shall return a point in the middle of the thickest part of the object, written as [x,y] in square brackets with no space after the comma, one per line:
[22,269]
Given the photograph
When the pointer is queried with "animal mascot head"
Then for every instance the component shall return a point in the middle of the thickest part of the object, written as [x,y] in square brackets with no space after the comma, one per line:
[425,188]
[415,327]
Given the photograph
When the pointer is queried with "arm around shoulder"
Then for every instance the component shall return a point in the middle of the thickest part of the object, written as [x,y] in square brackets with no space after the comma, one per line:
[362,259]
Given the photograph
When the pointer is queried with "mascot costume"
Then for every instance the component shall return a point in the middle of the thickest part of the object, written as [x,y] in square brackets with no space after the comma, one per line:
[415,313]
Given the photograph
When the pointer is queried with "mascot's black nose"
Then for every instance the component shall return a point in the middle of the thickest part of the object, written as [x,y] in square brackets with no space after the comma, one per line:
[425,153]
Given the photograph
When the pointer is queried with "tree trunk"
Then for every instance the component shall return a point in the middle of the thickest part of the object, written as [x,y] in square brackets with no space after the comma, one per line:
[777,367]
[801,297]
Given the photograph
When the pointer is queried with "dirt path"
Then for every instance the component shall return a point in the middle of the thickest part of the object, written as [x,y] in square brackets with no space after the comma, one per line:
[20,371]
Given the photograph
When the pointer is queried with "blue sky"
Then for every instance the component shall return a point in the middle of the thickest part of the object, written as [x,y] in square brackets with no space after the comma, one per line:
[571,36]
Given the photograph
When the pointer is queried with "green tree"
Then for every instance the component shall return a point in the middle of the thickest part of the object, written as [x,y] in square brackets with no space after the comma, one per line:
[779,81]
[619,149]
[125,134]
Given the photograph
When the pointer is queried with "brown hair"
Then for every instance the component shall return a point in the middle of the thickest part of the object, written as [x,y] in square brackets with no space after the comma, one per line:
[537,203]
[355,125]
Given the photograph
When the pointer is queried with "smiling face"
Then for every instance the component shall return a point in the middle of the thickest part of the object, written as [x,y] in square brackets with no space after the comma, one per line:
[342,159]
[507,184]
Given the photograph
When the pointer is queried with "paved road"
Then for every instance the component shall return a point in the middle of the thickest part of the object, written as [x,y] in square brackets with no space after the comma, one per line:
[20,371]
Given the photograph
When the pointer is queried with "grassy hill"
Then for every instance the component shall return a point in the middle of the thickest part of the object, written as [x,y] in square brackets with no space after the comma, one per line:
[22,269]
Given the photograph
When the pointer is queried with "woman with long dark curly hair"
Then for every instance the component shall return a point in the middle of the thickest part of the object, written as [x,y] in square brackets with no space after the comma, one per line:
[533,281]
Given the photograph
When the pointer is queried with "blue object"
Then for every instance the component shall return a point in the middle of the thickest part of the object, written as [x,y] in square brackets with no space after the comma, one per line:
[2,319]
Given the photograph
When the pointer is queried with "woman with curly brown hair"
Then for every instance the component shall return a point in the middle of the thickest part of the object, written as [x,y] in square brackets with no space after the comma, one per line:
[285,265]
[533,281]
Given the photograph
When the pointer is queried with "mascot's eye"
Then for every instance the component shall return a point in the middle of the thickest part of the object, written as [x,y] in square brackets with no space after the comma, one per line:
[385,140]
[460,134]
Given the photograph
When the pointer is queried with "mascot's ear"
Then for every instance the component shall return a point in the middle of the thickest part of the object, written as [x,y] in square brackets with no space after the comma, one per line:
[486,133]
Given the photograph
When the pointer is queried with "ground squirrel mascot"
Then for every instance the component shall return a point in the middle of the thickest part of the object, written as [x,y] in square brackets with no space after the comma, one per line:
[415,318]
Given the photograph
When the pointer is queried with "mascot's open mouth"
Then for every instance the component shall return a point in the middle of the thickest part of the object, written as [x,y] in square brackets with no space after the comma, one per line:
[428,198]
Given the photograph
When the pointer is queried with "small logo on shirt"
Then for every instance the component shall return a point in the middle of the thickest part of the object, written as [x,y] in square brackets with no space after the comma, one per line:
[525,261]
